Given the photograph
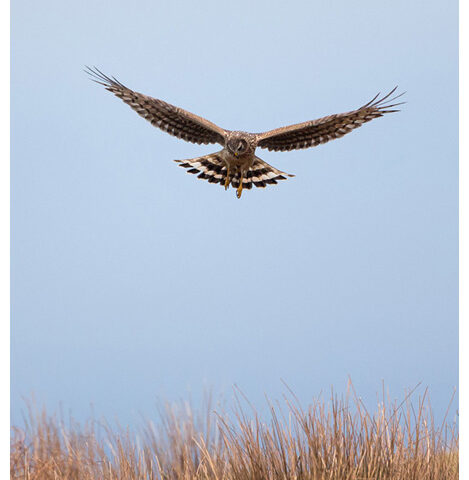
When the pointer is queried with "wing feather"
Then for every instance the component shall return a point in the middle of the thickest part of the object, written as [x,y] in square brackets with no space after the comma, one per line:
[314,132]
[169,118]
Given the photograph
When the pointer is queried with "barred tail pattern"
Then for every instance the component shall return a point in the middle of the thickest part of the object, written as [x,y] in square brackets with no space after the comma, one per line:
[213,169]
[262,174]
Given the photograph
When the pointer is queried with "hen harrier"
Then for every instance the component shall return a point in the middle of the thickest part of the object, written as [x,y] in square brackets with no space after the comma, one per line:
[236,163]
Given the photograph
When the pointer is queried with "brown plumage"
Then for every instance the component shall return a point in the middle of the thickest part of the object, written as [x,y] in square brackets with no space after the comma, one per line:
[236,163]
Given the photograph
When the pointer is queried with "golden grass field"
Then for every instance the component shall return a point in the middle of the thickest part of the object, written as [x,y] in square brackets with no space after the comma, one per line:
[334,438]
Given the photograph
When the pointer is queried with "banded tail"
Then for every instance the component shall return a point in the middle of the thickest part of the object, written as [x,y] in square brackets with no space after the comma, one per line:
[213,169]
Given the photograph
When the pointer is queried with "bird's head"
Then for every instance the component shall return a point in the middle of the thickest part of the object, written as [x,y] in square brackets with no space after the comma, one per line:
[237,145]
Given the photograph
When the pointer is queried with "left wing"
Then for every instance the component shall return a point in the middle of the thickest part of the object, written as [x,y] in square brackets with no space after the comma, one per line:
[169,118]
[315,132]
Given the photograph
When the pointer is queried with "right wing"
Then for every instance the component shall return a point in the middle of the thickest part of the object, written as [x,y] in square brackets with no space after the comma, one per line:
[314,132]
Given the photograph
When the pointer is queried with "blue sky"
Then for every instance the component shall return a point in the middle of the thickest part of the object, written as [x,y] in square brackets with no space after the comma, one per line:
[132,280]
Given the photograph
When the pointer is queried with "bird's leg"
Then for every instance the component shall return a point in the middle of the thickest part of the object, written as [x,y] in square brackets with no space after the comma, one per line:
[227,179]
[239,190]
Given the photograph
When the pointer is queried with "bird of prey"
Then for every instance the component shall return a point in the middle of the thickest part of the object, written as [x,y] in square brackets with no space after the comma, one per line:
[236,163]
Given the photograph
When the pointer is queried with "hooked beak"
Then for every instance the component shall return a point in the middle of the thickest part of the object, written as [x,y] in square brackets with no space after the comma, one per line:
[236,154]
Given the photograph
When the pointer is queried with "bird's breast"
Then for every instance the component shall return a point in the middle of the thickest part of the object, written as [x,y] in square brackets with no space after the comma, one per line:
[242,161]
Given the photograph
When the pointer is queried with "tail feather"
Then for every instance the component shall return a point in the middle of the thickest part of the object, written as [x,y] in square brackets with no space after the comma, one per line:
[262,174]
[209,167]
[213,169]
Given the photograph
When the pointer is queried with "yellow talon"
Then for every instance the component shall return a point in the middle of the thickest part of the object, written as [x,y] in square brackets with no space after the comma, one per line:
[227,180]
[239,190]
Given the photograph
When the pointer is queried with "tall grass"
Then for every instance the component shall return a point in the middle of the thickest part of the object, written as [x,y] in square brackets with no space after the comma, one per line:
[337,438]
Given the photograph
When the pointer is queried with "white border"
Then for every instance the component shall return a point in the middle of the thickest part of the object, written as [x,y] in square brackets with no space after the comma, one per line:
[5,238]
[463,227]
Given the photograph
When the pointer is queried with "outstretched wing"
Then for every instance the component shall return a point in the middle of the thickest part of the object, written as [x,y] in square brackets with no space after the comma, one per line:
[167,117]
[314,132]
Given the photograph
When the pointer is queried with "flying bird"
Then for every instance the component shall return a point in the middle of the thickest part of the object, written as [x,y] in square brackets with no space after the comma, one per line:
[236,164]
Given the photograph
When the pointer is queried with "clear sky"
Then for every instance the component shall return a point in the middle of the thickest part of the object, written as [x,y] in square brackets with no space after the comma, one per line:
[132,280]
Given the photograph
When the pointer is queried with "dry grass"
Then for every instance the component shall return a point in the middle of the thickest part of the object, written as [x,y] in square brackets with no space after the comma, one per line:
[334,439]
